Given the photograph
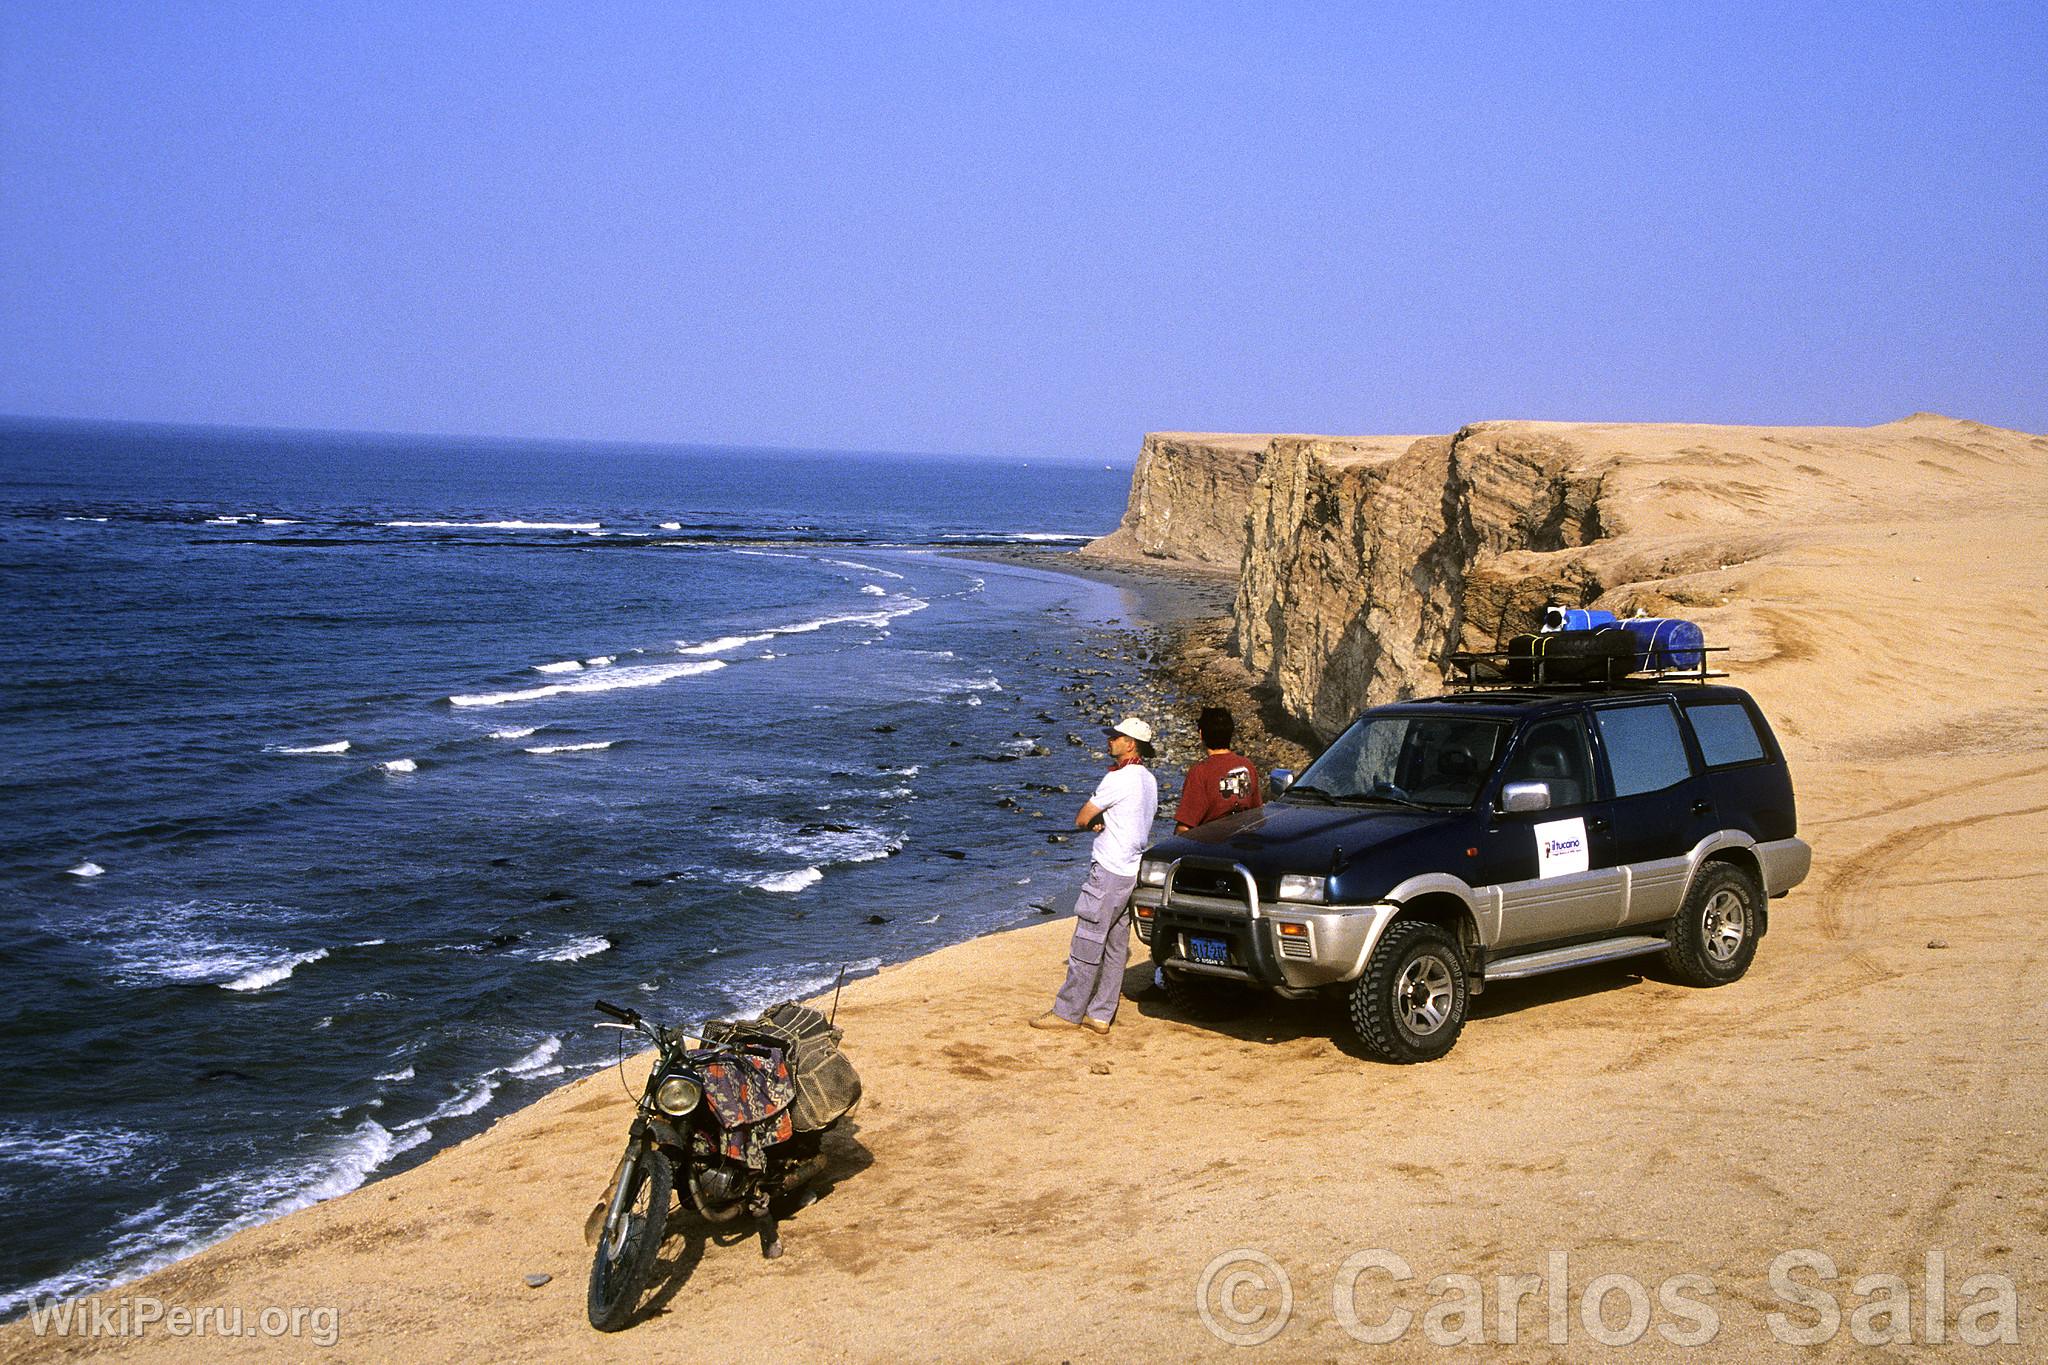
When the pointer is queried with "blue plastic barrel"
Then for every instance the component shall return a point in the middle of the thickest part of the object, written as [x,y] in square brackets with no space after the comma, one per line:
[1665,642]
[1575,618]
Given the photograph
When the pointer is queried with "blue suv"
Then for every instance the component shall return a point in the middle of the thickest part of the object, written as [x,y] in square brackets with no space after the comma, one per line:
[1487,835]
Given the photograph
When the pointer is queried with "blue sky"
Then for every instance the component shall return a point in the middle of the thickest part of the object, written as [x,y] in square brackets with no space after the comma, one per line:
[1021,229]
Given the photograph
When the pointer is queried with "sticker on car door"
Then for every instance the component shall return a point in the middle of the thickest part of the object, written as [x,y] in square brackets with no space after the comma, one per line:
[1561,847]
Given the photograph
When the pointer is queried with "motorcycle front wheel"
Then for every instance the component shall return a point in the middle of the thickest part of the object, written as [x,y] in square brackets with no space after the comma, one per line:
[631,1238]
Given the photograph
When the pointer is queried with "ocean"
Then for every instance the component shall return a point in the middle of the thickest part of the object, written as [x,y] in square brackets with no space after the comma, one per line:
[340,773]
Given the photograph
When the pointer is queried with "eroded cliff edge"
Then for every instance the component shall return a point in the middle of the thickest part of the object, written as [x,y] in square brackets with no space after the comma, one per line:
[1361,561]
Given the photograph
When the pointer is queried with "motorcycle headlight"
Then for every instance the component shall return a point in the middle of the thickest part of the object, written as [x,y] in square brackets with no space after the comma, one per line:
[677,1096]
[1152,872]
[1295,887]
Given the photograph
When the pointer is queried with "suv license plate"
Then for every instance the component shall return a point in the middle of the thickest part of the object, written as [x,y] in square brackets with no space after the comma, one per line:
[1214,951]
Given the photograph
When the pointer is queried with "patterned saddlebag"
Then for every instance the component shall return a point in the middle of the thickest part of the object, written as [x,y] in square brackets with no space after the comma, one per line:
[826,1083]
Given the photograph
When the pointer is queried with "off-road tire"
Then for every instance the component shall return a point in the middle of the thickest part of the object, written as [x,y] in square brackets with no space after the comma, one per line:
[1196,998]
[616,1281]
[1713,940]
[1416,975]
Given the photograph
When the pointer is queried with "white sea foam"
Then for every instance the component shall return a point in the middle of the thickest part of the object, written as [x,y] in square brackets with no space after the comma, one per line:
[611,679]
[500,525]
[974,701]
[407,1074]
[864,568]
[153,1237]
[790,882]
[281,521]
[339,746]
[575,950]
[87,869]
[565,666]
[400,765]
[895,608]
[671,526]
[874,590]
[270,973]
[100,1150]
[85,518]
[912,771]
[601,661]
[760,987]
[463,1102]
[723,643]
[856,844]
[228,521]
[1028,537]
[536,1062]
[515,732]
[572,748]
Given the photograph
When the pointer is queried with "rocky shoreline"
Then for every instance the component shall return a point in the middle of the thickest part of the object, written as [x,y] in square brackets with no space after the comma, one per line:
[1182,656]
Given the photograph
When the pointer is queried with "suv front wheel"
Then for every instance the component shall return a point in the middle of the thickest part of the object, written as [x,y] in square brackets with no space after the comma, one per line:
[1713,940]
[1410,1004]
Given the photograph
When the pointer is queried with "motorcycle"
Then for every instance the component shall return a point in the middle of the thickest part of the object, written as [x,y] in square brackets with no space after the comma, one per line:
[732,1122]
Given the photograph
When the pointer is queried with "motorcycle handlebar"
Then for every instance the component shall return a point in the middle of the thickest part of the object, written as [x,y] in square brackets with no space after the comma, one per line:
[624,1016]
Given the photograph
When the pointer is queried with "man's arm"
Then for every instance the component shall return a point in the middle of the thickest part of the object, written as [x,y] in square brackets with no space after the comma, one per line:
[1090,814]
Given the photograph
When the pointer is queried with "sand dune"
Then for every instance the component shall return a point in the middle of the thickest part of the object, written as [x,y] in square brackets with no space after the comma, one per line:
[1007,1194]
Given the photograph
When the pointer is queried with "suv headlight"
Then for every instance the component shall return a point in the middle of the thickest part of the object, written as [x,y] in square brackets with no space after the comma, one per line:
[1295,887]
[1152,872]
[677,1096]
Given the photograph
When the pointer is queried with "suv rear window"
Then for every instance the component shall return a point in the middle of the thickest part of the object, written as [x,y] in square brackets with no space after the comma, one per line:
[1726,733]
[1644,749]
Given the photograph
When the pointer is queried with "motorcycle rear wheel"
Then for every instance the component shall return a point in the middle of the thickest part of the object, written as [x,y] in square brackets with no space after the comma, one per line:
[631,1239]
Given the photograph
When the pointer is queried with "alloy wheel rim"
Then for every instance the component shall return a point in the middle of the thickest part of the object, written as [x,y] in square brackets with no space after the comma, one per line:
[1422,995]
[1724,926]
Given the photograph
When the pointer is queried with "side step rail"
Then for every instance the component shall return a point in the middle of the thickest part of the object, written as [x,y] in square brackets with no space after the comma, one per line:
[1577,955]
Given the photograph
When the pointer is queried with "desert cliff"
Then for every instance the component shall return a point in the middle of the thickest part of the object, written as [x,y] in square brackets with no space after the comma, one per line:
[1361,561]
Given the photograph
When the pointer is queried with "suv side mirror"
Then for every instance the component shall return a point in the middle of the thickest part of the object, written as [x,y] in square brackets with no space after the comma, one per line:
[1281,779]
[1520,797]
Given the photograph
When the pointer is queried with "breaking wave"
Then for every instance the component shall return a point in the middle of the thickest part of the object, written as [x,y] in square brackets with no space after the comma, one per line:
[610,680]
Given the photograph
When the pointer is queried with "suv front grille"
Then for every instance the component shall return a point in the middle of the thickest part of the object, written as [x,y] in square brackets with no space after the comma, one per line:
[1214,883]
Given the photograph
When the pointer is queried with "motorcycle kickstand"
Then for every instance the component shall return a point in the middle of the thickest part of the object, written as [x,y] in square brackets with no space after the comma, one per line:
[771,1232]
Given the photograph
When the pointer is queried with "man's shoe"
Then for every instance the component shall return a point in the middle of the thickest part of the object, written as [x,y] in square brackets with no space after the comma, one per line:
[1097,1026]
[1051,1020]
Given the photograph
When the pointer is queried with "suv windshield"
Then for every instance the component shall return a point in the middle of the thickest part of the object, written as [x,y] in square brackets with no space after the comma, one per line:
[1435,761]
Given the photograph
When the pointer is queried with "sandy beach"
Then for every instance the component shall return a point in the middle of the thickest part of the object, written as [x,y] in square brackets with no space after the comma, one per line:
[1872,1092]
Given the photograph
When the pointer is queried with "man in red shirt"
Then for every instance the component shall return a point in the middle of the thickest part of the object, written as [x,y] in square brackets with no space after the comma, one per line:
[1222,784]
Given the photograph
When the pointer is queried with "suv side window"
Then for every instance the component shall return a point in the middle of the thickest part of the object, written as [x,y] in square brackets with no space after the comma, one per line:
[1726,734]
[1645,751]
[1554,751]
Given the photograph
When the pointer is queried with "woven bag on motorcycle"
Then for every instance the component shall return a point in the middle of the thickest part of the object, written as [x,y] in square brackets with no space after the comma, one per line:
[826,1083]
[752,1099]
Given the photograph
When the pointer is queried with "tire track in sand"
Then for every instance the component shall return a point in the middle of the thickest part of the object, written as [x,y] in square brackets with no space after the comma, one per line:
[1844,909]
[1845,913]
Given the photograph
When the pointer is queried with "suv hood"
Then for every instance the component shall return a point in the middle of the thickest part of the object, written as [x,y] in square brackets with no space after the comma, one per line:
[1280,838]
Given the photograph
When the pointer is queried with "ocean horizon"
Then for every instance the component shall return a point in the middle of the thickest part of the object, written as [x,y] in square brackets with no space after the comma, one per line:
[344,770]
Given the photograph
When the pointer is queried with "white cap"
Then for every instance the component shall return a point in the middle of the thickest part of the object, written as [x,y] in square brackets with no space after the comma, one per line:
[1133,727]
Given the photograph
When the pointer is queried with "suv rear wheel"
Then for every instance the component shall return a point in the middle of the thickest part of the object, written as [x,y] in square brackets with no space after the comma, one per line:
[1410,1004]
[1713,940]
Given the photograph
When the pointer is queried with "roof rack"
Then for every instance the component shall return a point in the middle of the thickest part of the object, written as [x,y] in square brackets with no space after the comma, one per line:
[1489,669]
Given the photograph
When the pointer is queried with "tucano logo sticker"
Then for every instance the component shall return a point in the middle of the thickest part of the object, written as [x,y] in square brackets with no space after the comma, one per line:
[1561,847]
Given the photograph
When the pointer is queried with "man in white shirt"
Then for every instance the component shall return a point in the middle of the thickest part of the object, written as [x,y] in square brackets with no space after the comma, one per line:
[1121,810]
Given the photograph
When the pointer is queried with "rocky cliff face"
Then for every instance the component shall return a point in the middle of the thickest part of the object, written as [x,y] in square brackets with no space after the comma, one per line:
[1362,561]
[1188,499]
[1360,566]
